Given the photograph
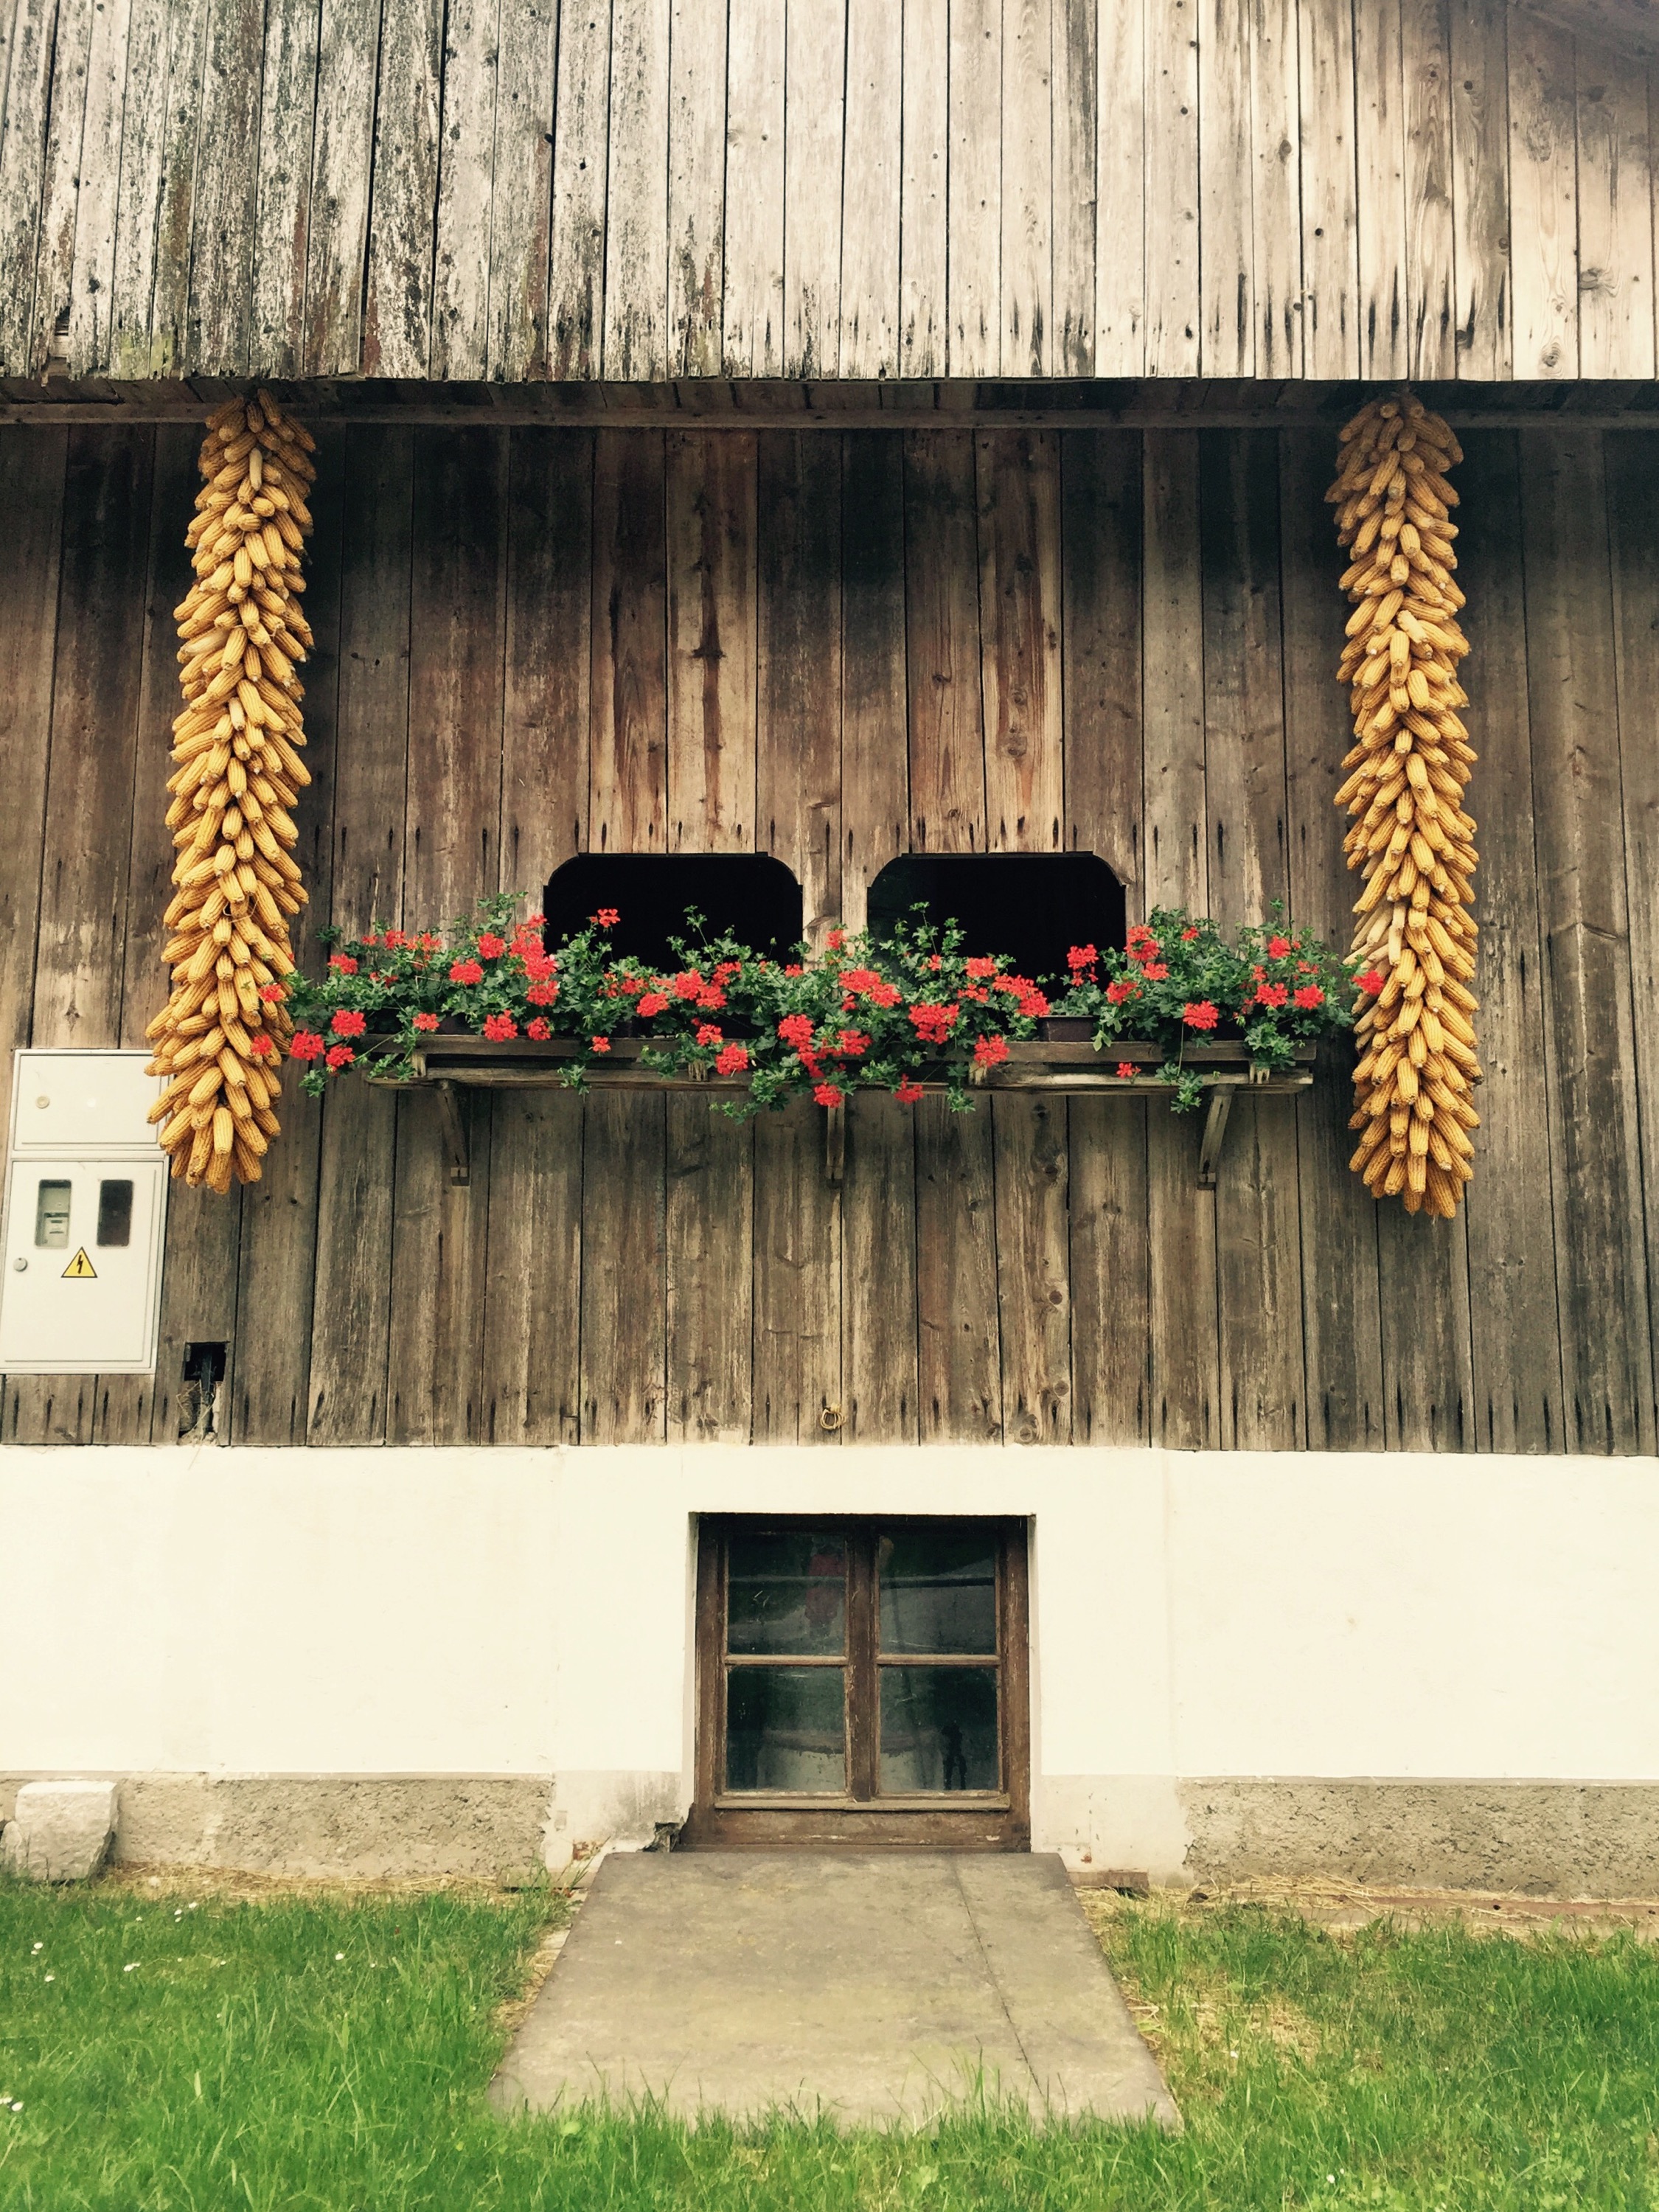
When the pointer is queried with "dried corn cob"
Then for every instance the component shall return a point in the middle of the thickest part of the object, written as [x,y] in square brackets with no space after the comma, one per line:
[1414,949]
[221,1037]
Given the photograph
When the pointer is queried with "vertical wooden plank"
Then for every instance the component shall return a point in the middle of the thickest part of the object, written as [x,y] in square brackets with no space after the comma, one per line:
[1632,477]
[628,804]
[288,104]
[1615,217]
[1543,233]
[960,1354]
[1428,1372]
[351,1309]
[1185,1412]
[942,644]
[878,1209]
[581,137]
[1607,1356]
[696,188]
[436,1386]
[198,1303]
[871,190]
[752,313]
[131,273]
[712,614]
[52,247]
[636,226]
[223,224]
[27,106]
[397,273]
[874,766]
[1100,527]
[521,206]
[1342,1321]
[798,1275]
[1516,1334]
[91,287]
[924,194]
[1276,186]
[1172,682]
[532,1282]
[1122,293]
[1027,249]
[709,1238]
[815,73]
[1174,315]
[1382,227]
[550,604]
[160,293]
[1033,1267]
[1226,167]
[1110,1250]
[1431,263]
[1258,1270]
[1330,323]
[1076,165]
[466,177]
[800,775]
[1019,593]
[1480,186]
[974,188]
[623,1348]
[341,157]
[271,1393]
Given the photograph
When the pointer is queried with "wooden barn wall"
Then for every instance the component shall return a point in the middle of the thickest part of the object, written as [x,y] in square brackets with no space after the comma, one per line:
[536,641]
[639,191]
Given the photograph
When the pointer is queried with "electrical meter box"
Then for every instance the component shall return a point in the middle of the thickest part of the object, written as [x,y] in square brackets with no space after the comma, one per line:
[86,1205]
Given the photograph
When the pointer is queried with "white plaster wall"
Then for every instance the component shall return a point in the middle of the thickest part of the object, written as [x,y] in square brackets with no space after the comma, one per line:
[509,1612]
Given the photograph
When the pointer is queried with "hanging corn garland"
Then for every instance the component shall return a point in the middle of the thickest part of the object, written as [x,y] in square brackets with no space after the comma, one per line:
[221,1038]
[1414,949]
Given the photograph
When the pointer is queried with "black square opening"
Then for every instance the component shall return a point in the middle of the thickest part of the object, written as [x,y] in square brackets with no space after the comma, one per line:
[750,894]
[1031,907]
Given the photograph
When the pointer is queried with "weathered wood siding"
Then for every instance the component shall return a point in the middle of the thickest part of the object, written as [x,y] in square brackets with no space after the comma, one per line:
[514,632]
[862,189]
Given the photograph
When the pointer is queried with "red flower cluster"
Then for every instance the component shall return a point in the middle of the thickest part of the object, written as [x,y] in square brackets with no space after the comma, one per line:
[796,1030]
[606,918]
[347,1023]
[541,994]
[465,971]
[1372,981]
[731,1060]
[498,1028]
[342,964]
[1126,1068]
[1081,956]
[306,1045]
[426,1021]
[1309,996]
[272,994]
[1123,990]
[827,1094]
[1271,995]
[1199,1014]
[339,1055]
[539,1029]
[263,1046]
[908,1092]
[491,946]
[932,1022]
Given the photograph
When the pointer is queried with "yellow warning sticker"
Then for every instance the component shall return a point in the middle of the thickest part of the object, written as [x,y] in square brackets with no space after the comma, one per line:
[81,1269]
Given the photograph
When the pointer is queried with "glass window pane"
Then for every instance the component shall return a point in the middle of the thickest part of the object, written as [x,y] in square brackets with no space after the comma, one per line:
[51,1216]
[786,1728]
[938,1589]
[787,1591]
[115,1212]
[939,1728]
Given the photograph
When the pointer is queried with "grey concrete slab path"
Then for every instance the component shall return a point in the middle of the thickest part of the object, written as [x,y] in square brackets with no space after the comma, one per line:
[875,1988]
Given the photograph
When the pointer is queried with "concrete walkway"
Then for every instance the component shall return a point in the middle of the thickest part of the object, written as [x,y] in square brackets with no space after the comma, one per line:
[874,1988]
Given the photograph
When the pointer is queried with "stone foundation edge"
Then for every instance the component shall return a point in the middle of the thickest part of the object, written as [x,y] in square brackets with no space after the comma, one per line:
[1535,1838]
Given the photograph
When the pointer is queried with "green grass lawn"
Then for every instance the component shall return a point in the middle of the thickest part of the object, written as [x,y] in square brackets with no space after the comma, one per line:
[306,2051]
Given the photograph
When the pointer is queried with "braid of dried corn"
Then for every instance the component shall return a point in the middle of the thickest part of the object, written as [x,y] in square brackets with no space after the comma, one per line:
[1414,949]
[221,1038]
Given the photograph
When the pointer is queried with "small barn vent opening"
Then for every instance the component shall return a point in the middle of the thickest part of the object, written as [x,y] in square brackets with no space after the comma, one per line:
[750,894]
[1029,907]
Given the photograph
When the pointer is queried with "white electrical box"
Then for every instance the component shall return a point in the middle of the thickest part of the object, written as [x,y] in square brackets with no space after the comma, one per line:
[86,1207]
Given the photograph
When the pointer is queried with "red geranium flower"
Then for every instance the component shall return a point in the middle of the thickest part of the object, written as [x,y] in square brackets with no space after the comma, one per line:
[1372,981]
[711,998]
[796,1030]
[725,969]
[934,961]
[1081,956]
[932,1022]
[540,1029]
[1271,995]
[990,1050]
[492,946]
[980,969]
[465,971]
[272,994]
[908,1092]
[1154,971]
[688,984]
[1309,996]
[1034,1005]
[601,1044]
[1188,935]
[541,994]
[426,1021]
[1126,1068]
[307,1044]
[731,1060]
[795,969]
[347,1023]
[606,918]
[827,1094]
[1118,992]
[1279,946]
[340,1055]
[707,1034]
[653,1002]
[342,964]
[853,1044]
[261,1046]
[834,940]
[1199,1014]
[498,1028]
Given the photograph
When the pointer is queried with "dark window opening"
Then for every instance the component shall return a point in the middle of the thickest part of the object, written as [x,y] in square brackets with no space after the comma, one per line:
[198,1393]
[115,1212]
[1030,907]
[750,894]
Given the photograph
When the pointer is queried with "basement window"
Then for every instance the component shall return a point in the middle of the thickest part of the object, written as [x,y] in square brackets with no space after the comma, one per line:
[750,894]
[1028,908]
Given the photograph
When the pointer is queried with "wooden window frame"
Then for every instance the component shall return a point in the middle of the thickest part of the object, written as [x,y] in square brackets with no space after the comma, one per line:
[978,1820]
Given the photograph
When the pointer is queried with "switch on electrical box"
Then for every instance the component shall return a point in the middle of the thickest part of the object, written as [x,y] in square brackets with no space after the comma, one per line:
[85,1205]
